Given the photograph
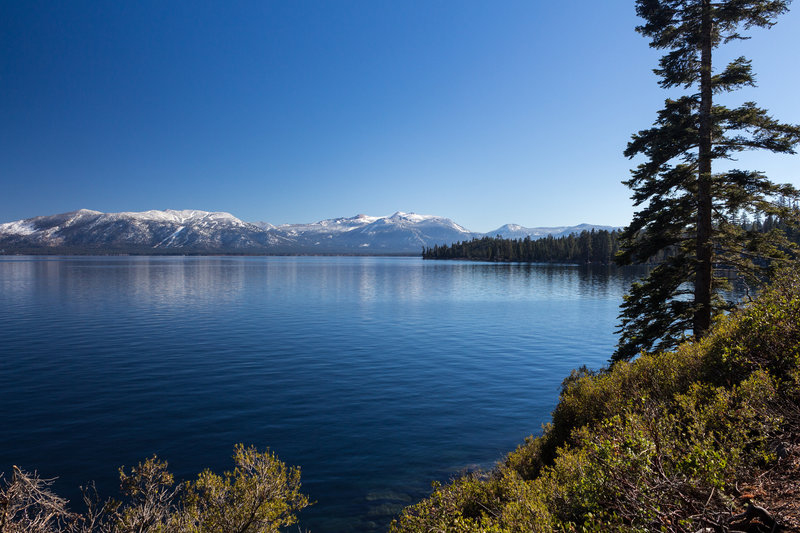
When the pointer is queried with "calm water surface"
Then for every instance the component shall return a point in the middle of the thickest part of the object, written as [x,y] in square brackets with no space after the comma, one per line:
[375,375]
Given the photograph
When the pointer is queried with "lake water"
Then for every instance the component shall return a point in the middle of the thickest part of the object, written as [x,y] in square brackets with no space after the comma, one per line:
[375,375]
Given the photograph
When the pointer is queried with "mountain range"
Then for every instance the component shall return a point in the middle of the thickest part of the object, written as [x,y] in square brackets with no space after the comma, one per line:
[192,231]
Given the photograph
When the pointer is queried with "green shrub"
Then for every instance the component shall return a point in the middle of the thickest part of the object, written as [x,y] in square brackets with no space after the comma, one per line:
[652,445]
[261,495]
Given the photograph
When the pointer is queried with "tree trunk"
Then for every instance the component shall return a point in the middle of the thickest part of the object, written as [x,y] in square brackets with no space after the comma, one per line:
[702,285]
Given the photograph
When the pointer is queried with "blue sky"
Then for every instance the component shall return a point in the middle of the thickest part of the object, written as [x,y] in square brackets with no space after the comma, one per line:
[295,111]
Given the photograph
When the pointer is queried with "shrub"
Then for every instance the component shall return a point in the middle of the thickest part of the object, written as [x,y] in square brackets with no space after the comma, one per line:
[652,445]
[260,495]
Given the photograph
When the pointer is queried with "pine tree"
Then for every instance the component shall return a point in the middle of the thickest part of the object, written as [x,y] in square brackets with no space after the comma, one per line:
[686,210]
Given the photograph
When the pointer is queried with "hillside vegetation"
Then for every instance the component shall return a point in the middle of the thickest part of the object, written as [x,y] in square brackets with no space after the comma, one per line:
[702,438]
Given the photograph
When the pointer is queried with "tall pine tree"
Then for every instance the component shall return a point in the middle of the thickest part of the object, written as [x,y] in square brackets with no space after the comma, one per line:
[686,211]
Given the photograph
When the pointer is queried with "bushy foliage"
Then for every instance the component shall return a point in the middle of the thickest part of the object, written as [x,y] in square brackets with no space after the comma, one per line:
[652,445]
[261,495]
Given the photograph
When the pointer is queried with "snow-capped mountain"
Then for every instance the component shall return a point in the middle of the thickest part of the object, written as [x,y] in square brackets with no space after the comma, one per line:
[263,225]
[415,231]
[515,231]
[400,232]
[88,230]
[331,226]
[192,231]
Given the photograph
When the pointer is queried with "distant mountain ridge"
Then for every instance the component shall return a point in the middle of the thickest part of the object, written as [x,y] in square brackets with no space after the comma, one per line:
[87,230]
[194,231]
[515,231]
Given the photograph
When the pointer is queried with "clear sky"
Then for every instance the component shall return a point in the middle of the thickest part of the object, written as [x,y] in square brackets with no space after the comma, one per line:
[486,112]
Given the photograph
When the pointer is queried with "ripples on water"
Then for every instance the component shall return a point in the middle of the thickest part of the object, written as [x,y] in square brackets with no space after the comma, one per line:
[375,375]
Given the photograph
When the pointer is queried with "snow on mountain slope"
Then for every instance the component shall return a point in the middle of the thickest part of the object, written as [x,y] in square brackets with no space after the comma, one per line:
[20,227]
[186,216]
[264,225]
[194,230]
[409,231]
[331,225]
[397,233]
[87,231]
[93,230]
[515,231]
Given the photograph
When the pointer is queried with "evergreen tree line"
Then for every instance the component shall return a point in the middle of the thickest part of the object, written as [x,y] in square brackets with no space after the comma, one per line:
[788,227]
[595,246]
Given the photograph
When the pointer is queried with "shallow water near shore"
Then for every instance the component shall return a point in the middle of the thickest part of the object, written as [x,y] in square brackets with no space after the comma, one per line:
[375,375]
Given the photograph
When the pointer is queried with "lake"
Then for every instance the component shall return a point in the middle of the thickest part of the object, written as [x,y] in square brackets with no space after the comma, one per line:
[375,375]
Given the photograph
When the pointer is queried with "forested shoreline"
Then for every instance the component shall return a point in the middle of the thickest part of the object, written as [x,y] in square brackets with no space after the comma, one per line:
[586,247]
[595,246]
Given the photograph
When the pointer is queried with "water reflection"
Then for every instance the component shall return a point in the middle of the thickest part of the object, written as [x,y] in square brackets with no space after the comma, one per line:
[522,281]
[170,281]
[376,375]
